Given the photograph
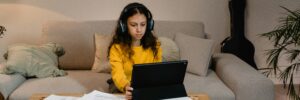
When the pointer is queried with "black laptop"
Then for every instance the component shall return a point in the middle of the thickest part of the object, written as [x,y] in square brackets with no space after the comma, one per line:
[155,81]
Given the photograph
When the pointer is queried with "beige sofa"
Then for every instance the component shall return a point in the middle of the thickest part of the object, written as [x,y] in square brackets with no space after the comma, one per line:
[228,78]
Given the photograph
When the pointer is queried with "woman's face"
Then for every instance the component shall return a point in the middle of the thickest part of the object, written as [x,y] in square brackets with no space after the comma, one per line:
[137,26]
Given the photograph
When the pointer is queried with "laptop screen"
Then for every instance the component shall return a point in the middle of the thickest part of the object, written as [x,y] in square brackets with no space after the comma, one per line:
[154,81]
[158,74]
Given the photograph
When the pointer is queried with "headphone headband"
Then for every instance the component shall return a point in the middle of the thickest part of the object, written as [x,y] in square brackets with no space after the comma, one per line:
[150,22]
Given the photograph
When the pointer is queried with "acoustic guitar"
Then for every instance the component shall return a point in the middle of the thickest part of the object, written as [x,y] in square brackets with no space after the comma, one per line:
[237,43]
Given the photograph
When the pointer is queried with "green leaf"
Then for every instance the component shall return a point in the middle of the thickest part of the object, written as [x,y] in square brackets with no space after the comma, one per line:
[286,41]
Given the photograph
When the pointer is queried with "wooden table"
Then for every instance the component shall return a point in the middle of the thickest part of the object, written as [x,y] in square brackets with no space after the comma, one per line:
[41,96]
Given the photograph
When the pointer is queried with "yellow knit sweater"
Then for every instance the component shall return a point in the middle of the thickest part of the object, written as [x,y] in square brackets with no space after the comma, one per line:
[122,67]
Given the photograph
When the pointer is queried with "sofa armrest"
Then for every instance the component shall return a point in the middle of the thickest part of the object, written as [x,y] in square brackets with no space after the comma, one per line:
[9,83]
[246,82]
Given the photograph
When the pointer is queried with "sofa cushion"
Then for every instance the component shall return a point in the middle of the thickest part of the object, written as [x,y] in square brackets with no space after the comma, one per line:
[8,83]
[77,81]
[77,39]
[101,62]
[197,51]
[170,51]
[211,85]
[33,61]
[2,66]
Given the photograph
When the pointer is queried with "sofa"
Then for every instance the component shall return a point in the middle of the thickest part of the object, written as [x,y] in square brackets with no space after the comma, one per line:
[227,78]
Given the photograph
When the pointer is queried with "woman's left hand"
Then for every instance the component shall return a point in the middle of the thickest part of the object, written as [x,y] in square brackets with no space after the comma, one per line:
[128,92]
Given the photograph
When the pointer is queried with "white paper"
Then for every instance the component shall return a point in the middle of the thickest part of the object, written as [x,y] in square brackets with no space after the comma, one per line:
[56,97]
[94,95]
[97,95]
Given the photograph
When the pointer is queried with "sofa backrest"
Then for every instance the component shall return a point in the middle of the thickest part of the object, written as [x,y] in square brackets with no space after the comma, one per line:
[77,38]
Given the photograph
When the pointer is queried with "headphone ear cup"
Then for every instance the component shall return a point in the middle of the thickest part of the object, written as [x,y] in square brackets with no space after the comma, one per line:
[151,24]
[123,28]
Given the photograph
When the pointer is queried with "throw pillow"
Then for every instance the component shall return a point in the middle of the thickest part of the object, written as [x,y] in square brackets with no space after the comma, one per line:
[2,66]
[197,51]
[170,51]
[33,61]
[101,62]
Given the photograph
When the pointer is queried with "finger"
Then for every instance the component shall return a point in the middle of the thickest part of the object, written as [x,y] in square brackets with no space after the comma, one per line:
[129,88]
[129,97]
[128,93]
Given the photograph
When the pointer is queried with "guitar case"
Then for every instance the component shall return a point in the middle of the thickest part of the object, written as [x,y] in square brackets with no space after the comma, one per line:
[237,43]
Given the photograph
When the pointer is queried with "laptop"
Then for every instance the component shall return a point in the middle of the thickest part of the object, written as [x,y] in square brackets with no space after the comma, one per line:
[155,81]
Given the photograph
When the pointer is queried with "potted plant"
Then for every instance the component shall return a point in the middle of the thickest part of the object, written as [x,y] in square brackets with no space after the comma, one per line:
[286,40]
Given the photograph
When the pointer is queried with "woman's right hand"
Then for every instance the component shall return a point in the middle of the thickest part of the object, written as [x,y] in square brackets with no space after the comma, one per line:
[128,92]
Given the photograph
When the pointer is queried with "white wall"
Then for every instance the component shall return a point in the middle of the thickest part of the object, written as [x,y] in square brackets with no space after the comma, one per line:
[24,18]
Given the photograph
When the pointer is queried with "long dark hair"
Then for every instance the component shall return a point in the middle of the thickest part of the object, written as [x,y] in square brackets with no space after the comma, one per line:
[124,39]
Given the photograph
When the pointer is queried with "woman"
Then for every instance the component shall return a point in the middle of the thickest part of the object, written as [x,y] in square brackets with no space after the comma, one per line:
[132,43]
